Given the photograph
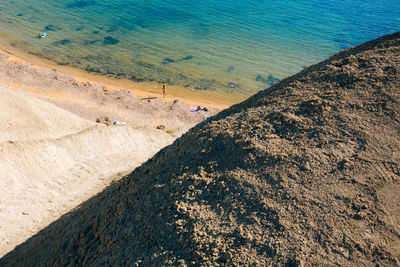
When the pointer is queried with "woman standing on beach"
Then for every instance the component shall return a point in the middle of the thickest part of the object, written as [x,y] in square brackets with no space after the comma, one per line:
[164,91]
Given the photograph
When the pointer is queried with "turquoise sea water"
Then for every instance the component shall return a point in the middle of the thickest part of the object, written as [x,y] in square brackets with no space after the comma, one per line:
[228,47]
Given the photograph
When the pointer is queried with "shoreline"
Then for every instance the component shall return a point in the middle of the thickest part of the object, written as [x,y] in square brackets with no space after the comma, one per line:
[140,89]
[101,99]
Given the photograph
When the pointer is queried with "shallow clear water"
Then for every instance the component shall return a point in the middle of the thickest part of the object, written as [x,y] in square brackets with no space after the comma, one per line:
[231,47]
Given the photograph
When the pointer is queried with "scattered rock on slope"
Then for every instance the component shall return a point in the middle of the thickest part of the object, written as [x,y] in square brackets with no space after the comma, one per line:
[306,171]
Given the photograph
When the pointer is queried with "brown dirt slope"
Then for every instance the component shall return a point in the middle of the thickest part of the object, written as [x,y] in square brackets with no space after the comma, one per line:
[305,172]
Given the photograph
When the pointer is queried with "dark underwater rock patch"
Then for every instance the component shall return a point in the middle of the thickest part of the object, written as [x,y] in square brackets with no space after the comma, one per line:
[92,42]
[205,84]
[232,85]
[271,79]
[230,69]
[93,70]
[168,61]
[186,58]
[182,76]
[62,42]
[62,63]
[110,41]
[171,60]
[52,28]
[136,79]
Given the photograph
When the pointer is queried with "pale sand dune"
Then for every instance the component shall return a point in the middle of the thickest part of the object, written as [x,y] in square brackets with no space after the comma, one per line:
[52,160]
[27,118]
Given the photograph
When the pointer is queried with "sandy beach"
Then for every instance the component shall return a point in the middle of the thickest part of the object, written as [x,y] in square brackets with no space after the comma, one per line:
[69,88]
[59,145]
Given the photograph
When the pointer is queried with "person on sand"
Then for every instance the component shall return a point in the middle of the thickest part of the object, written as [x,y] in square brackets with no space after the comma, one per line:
[164,90]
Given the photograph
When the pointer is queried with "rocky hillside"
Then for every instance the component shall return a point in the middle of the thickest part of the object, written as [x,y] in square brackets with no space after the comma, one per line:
[305,172]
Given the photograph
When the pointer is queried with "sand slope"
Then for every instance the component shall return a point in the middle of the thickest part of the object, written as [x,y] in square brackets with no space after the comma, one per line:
[306,172]
[26,118]
[52,160]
